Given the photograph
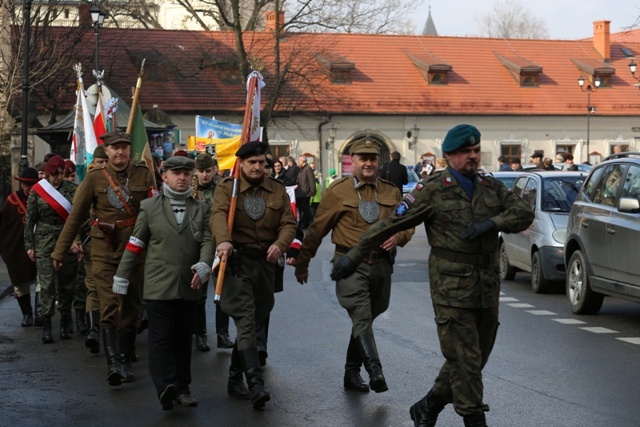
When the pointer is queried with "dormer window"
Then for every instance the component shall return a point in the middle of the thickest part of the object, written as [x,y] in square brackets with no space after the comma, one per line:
[525,73]
[339,68]
[592,69]
[434,71]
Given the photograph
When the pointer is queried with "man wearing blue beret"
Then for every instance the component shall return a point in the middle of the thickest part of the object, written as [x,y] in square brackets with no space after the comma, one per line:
[463,213]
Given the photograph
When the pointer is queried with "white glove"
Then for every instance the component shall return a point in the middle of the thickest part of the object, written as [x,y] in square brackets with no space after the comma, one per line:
[203,270]
[120,285]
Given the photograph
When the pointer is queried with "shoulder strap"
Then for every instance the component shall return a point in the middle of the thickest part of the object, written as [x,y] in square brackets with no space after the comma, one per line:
[117,190]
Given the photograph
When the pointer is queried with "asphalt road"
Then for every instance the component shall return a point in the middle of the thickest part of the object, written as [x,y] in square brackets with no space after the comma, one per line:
[546,370]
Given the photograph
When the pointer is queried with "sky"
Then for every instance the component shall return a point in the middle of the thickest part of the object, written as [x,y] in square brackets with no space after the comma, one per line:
[565,19]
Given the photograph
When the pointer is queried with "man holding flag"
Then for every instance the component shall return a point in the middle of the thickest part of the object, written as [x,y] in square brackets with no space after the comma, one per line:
[48,209]
[114,192]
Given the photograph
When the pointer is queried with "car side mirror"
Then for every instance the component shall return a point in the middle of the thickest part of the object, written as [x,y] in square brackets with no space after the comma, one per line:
[629,205]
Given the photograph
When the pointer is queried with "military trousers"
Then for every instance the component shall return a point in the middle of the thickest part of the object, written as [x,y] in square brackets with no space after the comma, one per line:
[56,285]
[247,296]
[92,303]
[365,294]
[22,289]
[114,312]
[466,339]
[79,288]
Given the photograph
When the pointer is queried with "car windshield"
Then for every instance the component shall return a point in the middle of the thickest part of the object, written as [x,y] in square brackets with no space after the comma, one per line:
[559,193]
[507,180]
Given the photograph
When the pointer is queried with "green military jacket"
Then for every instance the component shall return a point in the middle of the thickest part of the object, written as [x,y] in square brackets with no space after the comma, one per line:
[43,224]
[445,209]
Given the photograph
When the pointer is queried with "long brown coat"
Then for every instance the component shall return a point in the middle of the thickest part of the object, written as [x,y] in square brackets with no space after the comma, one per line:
[21,269]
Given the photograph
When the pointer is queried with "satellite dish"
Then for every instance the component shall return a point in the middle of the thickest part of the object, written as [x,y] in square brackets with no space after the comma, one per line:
[92,97]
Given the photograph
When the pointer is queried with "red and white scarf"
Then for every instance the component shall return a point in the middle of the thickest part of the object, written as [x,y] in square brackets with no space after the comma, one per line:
[57,201]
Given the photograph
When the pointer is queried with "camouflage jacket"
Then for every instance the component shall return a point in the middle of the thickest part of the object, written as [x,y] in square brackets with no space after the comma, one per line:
[446,210]
[43,224]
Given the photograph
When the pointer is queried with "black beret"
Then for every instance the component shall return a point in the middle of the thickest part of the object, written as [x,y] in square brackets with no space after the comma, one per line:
[179,162]
[460,136]
[253,148]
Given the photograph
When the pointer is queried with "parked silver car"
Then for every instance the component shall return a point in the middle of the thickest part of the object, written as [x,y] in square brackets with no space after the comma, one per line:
[601,249]
[539,249]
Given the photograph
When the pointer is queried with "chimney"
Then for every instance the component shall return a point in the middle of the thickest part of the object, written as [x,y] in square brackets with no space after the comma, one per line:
[270,21]
[84,15]
[602,39]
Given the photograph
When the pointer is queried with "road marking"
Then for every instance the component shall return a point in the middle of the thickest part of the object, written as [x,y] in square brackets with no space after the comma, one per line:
[599,330]
[542,312]
[507,299]
[569,321]
[520,305]
[630,340]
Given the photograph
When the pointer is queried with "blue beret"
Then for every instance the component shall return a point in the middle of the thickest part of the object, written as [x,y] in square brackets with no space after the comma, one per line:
[253,148]
[460,136]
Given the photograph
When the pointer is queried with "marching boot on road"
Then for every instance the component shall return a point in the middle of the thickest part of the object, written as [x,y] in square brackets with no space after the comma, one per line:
[110,341]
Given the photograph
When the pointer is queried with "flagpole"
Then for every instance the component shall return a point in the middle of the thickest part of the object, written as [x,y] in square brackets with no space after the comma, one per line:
[136,97]
[244,136]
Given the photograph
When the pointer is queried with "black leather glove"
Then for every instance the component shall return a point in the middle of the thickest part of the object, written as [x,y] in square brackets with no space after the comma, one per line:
[343,267]
[477,229]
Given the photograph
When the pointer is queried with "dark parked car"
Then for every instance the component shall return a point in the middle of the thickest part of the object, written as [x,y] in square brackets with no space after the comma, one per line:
[539,249]
[601,249]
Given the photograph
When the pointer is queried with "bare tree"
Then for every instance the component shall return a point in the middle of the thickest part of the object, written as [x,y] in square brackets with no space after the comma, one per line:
[510,19]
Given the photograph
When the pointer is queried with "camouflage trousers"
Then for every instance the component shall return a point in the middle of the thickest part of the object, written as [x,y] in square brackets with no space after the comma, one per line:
[56,285]
[79,288]
[466,339]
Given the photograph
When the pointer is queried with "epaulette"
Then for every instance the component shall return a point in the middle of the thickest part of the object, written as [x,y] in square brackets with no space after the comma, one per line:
[339,180]
[483,179]
[140,163]
[226,179]
[95,168]
[386,181]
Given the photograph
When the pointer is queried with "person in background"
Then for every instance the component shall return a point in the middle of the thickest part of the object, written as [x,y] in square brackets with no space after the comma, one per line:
[503,164]
[516,165]
[69,173]
[21,269]
[569,165]
[279,172]
[547,165]
[173,237]
[395,172]
[536,159]
[304,192]
[332,177]
[315,200]
[560,158]
[349,207]
[291,172]
[48,208]
[205,180]
[40,168]
[463,213]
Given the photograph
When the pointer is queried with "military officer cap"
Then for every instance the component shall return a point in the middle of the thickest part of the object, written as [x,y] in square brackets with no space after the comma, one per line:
[460,136]
[204,161]
[364,146]
[179,162]
[99,153]
[114,137]
[29,176]
[253,148]
[54,166]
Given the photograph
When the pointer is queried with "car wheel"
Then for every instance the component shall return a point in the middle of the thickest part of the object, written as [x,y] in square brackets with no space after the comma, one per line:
[507,271]
[582,299]
[539,283]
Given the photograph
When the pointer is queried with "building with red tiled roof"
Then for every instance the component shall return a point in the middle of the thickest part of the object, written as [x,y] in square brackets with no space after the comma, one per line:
[523,95]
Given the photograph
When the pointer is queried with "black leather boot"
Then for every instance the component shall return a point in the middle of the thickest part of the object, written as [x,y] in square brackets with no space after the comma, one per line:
[262,336]
[253,373]
[475,420]
[65,326]
[424,412]
[92,342]
[27,312]
[110,341]
[366,345]
[201,328]
[126,348]
[352,379]
[81,322]
[47,336]
[222,329]
[235,385]
[38,320]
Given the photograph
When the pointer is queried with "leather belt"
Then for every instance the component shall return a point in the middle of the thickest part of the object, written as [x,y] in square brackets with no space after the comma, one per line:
[124,223]
[474,259]
[372,257]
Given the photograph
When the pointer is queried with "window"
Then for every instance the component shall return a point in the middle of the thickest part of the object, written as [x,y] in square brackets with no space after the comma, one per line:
[592,184]
[631,187]
[609,185]
[530,192]
[66,14]
[511,151]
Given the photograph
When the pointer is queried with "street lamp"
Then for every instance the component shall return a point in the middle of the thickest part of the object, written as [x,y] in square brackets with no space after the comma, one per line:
[590,109]
[24,160]
[332,137]
[97,17]
[632,68]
